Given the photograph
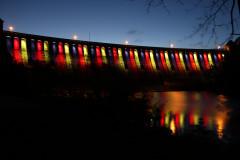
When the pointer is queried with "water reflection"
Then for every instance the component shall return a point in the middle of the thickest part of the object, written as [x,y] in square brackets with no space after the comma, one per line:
[183,111]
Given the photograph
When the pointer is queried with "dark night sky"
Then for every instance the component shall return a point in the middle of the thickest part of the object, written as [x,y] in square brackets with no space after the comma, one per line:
[110,21]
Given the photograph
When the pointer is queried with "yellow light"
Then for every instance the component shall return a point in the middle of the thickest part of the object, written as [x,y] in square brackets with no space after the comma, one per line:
[218,47]
[171,45]
[75,37]
[11,28]
[126,42]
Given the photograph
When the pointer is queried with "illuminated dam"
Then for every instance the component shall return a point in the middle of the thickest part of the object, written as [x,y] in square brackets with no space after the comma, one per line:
[68,56]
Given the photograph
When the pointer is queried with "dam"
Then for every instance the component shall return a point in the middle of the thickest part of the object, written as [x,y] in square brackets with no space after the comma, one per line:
[152,64]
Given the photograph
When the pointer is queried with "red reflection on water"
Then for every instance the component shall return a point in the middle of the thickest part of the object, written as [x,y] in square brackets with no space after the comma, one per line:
[177,116]
[191,119]
[162,120]
[16,43]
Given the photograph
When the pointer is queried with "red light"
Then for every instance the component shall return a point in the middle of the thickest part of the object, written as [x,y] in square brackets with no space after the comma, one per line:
[132,60]
[80,50]
[192,61]
[60,48]
[148,63]
[131,54]
[115,56]
[98,53]
[17,56]
[39,45]
[162,120]
[177,120]
[163,61]
[191,119]
[178,61]
[206,60]
[16,43]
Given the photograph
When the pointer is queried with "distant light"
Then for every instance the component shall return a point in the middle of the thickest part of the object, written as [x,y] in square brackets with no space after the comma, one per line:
[171,45]
[126,42]
[218,47]
[11,28]
[75,37]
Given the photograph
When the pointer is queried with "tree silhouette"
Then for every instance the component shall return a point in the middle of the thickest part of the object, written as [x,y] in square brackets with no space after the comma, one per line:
[210,20]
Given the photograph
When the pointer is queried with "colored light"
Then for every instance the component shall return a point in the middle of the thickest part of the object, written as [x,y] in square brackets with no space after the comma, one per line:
[16,43]
[196,61]
[218,47]
[182,61]
[192,61]
[163,61]
[172,127]
[98,51]
[11,28]
[206,61]
[66,48]
[80,50]
[153,61]
[132,60]
[23,44]
[85,50]
[137,59]
[210,59]
[147,60]
[60,48]
[120,59]
[45,45]
[104,58]
[167,61]
[115,56]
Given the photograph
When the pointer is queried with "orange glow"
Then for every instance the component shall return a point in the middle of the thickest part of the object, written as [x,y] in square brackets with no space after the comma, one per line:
[11,28]
[75,37]
[171,45]
[126,42]
[172,127]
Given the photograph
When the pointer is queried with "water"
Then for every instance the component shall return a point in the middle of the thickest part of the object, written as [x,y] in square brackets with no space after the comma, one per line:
[181,111]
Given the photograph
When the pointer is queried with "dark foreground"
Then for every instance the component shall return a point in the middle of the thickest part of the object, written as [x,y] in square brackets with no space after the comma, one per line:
[90,126]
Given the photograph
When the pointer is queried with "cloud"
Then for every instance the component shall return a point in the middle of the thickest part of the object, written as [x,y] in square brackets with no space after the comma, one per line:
[133,32]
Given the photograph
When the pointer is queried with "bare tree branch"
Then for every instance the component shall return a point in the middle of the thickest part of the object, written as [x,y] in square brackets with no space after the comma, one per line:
[209,23]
